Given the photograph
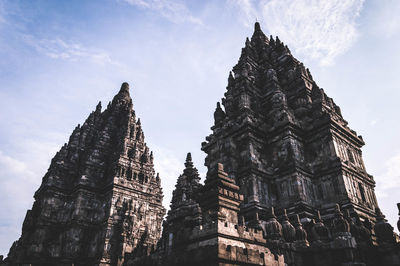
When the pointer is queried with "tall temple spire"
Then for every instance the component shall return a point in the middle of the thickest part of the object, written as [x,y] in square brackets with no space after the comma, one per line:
[98,197]
[276,121]
[124,88]
[187,183]
[280,141]
[279,148]
[123,97]
[189,163]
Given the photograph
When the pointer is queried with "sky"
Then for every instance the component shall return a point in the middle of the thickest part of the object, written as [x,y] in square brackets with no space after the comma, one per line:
[59,58]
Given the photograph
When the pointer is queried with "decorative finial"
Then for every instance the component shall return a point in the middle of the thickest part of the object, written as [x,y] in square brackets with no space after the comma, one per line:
[189,163]
[98,107]
[340,225]
[288,230]
[301,234]
[271,40]
[247,42]
[257,26]
[219,114]
[188,157]
[319,231]
[125,87]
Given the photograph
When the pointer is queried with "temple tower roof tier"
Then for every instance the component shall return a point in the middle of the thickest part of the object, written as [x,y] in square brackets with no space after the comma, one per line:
[283,140]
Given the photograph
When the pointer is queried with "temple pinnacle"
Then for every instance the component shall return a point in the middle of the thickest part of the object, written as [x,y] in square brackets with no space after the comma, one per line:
[98,107]
[189,163]
[125,87]
[123,97]
[188,157]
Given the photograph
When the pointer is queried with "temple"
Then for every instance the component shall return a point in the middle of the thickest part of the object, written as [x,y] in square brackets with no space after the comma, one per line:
[100,200]
[284,141]
[286,184]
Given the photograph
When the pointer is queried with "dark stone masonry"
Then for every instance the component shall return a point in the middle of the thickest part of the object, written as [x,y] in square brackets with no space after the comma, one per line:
[286,184]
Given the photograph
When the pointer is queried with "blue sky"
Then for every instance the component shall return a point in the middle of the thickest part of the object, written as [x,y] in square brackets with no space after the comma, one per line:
[59,58]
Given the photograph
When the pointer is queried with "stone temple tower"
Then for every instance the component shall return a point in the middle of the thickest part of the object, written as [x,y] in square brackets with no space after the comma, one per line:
[100,200]
[285,141]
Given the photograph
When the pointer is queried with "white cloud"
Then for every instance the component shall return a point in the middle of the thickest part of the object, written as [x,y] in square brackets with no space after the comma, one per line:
[17,181]
[385,21]
[20,176]
[9,165]
[68,50]
[373,122]
[387,187]
[248,12]
[170,167]
[390,179]
[174,11]
[319,30]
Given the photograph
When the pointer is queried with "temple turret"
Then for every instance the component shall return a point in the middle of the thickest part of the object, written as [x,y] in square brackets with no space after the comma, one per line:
[319,231]
[383,230]
[288,230]
[339,223]
[301,234]
[273,229]
[186,186]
